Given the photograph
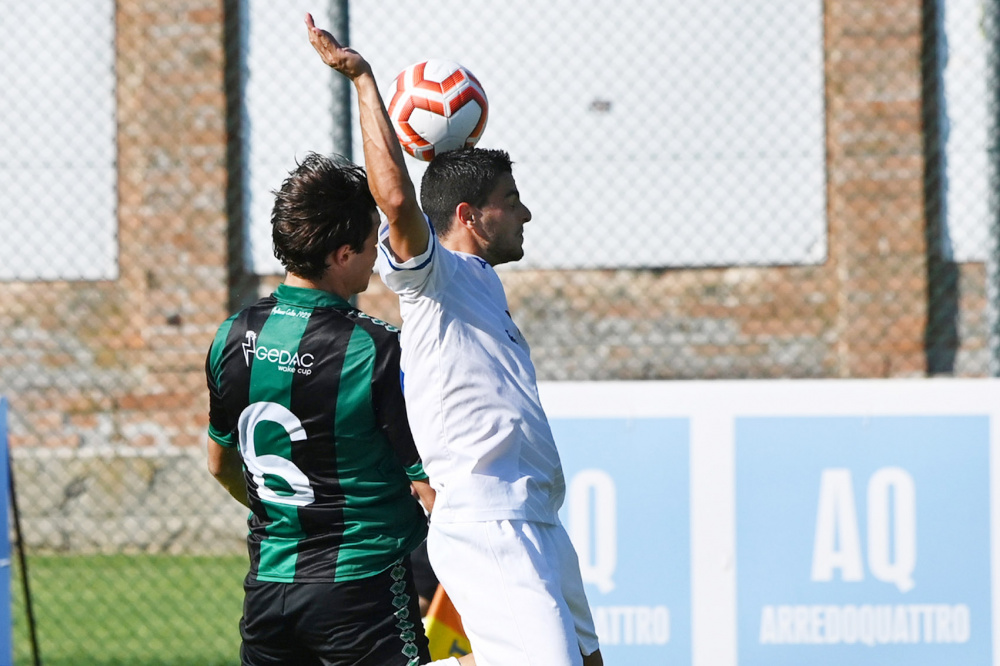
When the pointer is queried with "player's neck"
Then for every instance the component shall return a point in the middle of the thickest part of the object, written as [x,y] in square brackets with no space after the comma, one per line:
[461,241]
[327,283]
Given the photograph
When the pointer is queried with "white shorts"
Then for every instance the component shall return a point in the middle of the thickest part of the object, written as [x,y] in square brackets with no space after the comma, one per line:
[518,588]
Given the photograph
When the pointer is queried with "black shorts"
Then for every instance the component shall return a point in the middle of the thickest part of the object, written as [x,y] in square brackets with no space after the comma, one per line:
[374,621]
[423,575]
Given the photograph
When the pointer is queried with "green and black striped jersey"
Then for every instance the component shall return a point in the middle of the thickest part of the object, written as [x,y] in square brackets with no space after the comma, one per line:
[309,389]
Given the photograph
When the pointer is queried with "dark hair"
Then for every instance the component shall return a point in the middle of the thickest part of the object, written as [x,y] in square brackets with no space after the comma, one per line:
[322,205]
[466,175]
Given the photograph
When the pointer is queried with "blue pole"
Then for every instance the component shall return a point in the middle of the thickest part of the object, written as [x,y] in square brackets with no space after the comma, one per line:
[7,474]
[6,651]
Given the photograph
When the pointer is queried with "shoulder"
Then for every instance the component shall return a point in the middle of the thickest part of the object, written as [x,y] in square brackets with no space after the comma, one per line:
[383,335]
[224,329]
[474,263]
[374,325]
[476,270]
[423,273]
[378,339]
[242,318]
[238,325]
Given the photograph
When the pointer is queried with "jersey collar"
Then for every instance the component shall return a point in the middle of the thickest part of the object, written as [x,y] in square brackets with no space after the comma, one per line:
[309,298]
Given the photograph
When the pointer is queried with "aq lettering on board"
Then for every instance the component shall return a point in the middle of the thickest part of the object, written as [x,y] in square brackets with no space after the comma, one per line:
[863,540]
[627,511]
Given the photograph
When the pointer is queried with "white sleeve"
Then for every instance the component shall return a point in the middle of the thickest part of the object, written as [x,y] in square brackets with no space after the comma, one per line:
[418,275]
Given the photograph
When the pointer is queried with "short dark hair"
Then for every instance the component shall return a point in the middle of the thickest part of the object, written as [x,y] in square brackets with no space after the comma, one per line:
[466,175]
[322,205]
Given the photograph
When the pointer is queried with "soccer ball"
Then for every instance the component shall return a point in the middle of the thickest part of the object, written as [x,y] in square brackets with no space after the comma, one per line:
[437,105]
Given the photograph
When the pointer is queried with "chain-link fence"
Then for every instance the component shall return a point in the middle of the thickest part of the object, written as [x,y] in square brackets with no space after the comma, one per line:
[720,189]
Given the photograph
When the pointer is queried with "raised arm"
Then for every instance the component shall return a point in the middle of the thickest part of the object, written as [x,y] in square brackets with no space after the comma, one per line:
[387,175]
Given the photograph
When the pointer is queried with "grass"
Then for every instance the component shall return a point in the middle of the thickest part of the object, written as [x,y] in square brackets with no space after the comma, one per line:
[118,610]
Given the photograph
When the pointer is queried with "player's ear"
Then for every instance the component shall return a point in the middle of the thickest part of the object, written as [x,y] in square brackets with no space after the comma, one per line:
[465,215]
[340,256]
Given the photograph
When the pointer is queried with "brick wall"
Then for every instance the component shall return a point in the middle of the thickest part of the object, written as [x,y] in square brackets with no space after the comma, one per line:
[102,364]
[103,368]
[121,362]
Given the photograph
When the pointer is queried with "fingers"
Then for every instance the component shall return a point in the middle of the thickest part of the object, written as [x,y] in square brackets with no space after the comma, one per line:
[318,37]
[346,61]
[314,32]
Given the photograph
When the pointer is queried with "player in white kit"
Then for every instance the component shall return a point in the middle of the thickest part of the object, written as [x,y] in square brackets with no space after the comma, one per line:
[495,540]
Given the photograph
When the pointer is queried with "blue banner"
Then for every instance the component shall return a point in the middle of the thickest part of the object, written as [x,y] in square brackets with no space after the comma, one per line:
[863,541]
[628,511]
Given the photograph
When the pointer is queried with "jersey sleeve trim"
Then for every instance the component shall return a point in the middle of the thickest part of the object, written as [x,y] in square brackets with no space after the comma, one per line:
[416,472]
[223,439]
[413,263]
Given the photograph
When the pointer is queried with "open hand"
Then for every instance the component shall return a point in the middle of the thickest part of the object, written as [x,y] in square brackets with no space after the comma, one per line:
[346,61]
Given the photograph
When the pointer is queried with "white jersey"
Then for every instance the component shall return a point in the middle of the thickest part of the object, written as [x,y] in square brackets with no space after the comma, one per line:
[470,388]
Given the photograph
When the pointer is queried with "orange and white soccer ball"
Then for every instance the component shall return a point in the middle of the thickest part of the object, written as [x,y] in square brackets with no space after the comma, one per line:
[437,106]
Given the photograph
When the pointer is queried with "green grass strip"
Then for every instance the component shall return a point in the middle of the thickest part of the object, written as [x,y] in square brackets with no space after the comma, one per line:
[118,610]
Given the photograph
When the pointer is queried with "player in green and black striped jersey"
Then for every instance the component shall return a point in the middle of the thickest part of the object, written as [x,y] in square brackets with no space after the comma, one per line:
[308,428]
[314,384]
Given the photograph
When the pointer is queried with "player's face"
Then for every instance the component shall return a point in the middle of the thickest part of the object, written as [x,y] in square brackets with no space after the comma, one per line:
[363,262]
[502,223]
